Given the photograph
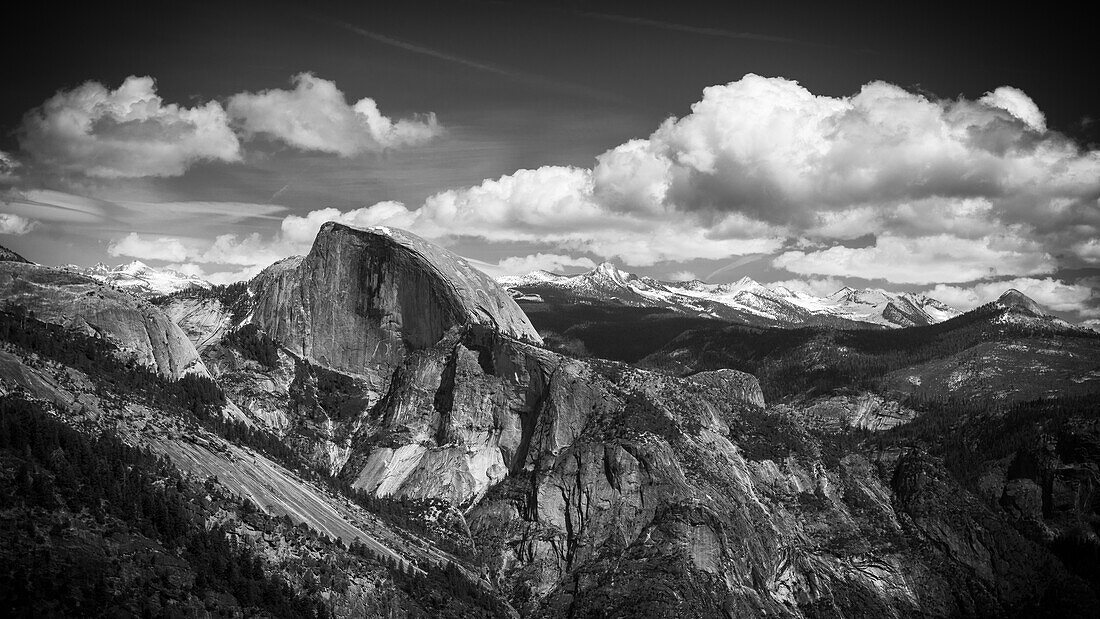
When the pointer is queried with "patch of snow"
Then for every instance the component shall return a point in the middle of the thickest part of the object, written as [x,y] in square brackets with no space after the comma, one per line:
[746,296]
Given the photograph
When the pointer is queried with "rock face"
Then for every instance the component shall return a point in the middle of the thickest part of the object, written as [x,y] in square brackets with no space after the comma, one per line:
[363,299]
[138,328]
[1014,299]
[866,410]
[7,255]
[739,385]
[204,321]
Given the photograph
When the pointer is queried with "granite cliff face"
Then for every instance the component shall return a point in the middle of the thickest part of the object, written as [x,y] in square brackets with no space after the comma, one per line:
[362,299]
[140,330]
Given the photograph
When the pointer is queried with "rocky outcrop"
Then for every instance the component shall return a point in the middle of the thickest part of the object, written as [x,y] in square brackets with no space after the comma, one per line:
[140,330]
[1015,300]
[205,321]
[7,255]
[364,299]
[738,385]
[865,411]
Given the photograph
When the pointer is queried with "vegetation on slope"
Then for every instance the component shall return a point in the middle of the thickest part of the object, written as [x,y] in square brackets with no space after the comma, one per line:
[440,591]
[233,296]
[254,344]
[814,361]
[62,488]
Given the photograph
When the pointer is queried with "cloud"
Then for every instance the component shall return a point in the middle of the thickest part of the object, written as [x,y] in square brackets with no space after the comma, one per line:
[681,276]
[8,166]
[165,248]
[217,277]
[55,206]
[125,133]
[558,205]
[1016,102]
[316,116]
[521,265]
[947,191]
[1048,292]
[1087,250]
[924,260]
[295,236]
[762,163]
[299,231]
[816,286]
[15,225]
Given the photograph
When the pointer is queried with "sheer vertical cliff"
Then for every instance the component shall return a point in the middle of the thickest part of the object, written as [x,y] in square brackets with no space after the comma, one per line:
[364,298]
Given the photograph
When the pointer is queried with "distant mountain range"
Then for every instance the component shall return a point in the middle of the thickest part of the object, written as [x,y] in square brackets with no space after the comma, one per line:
[746,300]
[141,279]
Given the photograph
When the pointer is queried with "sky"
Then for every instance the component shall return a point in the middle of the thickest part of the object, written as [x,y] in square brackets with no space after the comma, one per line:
[954,152]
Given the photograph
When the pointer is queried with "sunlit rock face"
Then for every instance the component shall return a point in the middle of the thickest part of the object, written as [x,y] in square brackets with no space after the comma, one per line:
[140,330]
[362,299]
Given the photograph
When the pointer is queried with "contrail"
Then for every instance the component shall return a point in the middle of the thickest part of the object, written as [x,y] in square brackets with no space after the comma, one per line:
[714,32]
[740,262]
[519,76]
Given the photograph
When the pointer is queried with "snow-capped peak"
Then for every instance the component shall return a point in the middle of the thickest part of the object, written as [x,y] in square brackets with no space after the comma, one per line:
[610,271]
[1014,299]
[745,297]
[533,278]
[136,267]
[141,279]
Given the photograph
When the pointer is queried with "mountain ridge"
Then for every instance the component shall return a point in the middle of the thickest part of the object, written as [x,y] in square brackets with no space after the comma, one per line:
[140,279]
[746,299]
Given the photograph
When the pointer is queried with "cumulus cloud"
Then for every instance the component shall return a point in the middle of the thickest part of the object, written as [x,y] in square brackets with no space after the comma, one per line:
[1048,292]
[947,191]
[816,286]
[315,115]
[125,133]
[217,277]
[300,231]
[1087,250]
[521,265]
[295,236]
[681,276]
[8,166]
[1016,102]
[762,163]
[558,205]
[924,260]
[165,248]
[15,225]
